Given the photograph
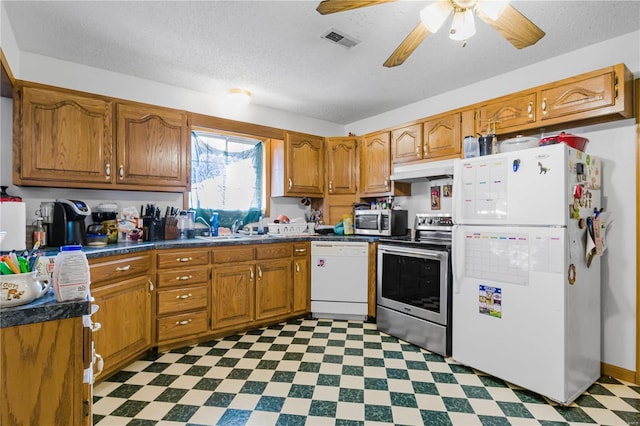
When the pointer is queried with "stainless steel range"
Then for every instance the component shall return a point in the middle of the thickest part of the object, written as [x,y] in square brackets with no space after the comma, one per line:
[414,283]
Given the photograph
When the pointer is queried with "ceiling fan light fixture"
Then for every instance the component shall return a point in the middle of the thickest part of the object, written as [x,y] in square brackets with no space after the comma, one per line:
[463,27]
[434,15]
[492,8]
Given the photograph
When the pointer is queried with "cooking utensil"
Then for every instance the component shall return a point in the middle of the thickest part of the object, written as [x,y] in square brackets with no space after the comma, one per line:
[518,143]
[573,141]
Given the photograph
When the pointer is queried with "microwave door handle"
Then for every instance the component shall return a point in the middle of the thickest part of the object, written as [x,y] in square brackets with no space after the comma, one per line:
[379,222]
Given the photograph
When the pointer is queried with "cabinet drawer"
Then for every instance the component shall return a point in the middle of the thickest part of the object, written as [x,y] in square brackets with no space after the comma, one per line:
[232,254]
[182,299]
[182,258]
[118,268]
[273,251]
[300,249]
[182,325]
[182,277]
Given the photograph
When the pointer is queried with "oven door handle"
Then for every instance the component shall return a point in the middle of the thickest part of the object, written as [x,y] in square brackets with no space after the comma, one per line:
[457,257]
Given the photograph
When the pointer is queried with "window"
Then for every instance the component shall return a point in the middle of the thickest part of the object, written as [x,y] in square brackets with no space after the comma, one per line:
[227,176]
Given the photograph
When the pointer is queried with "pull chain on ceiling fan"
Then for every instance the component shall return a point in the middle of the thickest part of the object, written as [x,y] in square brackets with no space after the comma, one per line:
[499,14]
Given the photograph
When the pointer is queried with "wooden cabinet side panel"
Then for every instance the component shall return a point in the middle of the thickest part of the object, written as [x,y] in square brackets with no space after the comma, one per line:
[41,368]
[65,137]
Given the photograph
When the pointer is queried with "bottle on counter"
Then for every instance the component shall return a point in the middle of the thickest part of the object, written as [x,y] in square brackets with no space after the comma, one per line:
[214,224]
[39,234]
[261,225]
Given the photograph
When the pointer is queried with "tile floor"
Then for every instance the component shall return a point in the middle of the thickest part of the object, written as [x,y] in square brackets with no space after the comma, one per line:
[324,372]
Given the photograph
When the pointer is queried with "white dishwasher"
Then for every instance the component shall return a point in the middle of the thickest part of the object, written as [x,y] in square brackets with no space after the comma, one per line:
[339,278]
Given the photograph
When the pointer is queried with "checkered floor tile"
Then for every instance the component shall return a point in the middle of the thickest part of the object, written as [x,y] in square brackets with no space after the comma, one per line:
[328,372]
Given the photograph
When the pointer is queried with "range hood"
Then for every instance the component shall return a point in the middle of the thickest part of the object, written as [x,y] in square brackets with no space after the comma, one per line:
[420,172]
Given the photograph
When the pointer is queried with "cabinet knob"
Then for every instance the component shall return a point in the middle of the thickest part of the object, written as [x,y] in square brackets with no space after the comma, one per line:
[184,278]
[184,259]
[290,184]
[251,274]
[123,268]
[330,186]
[297,267]
[98,362]
[184,296]
[183,322]
[544,106]
[96,326]
[107,170]
[121,171]
[530,109]
[259,272]
[150,286]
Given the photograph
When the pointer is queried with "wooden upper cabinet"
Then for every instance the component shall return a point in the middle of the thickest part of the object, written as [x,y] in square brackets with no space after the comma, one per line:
[61,139]
[598,91]
[442,136]
[153,147]
[342,165]
[297,166]
[406,144]
[507,113]
[375,165]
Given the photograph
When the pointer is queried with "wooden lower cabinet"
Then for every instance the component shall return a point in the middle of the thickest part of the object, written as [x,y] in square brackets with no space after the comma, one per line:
[41,366]
[232,296]
[122,289]
[273,288]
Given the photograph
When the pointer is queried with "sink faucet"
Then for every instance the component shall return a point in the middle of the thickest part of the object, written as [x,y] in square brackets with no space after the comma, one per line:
[237,224]
[201,219]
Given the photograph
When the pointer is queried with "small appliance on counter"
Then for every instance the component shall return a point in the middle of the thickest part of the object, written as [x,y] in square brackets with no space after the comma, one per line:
[68,226]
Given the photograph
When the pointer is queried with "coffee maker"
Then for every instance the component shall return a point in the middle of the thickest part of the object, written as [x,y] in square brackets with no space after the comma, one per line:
[68,227]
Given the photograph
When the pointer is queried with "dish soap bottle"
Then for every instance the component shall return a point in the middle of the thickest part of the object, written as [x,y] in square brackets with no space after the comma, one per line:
[214,224]
[261,225]
[39,234]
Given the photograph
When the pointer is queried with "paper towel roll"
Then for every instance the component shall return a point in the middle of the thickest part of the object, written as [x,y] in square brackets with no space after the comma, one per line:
[13,221]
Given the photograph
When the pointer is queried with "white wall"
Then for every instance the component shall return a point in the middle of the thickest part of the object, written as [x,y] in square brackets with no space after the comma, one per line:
[614,142]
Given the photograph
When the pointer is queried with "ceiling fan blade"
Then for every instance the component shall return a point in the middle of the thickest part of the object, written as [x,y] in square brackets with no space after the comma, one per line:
[408,45]
[332,6]
[515,27]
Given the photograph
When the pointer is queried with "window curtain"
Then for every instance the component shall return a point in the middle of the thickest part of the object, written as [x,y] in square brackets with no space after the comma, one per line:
[227,181]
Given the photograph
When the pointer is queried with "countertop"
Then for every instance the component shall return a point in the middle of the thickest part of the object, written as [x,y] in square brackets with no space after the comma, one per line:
[48,309]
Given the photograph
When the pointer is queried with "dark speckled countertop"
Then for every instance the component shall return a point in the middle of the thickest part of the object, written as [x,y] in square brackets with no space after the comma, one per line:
[48,309]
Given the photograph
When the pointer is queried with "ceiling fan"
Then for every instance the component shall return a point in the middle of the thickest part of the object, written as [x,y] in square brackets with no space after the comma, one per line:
[499,14]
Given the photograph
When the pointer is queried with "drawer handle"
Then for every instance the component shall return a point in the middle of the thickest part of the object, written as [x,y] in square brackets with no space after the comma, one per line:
[184,278]
[184,259]
[544,106]
[297,267]
[301,250]
[99,363]
[184,296]
[96,326]
[530,109]
[259,272]
[107,170]
[251,274]
[185,322]
[121,171]
[123,268]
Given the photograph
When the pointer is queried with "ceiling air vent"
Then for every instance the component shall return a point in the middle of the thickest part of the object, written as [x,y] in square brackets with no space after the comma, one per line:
[342,39]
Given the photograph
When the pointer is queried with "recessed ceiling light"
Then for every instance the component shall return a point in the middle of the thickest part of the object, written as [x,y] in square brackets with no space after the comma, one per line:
[239,96]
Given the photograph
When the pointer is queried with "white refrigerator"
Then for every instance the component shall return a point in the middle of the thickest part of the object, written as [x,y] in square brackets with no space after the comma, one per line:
[526,307]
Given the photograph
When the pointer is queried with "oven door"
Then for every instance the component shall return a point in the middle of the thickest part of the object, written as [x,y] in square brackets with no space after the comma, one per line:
[414,281]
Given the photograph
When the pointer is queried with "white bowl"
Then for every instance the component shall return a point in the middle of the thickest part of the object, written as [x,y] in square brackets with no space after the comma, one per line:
[518,143]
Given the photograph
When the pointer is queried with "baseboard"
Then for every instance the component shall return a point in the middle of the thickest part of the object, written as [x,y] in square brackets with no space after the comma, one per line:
[618,373]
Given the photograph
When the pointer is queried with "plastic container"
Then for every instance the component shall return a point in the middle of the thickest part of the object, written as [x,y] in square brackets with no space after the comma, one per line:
[214,224]
[71,275]
[471,149]
[261,225]
[39,234]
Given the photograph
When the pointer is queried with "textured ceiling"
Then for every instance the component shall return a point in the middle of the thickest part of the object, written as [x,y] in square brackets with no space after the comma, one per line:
[275,49]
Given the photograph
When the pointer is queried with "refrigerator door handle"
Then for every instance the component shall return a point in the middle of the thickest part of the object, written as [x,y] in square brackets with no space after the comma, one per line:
[457,261]
[457,195]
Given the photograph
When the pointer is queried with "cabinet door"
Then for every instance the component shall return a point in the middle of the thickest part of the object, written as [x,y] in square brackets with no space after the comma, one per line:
[125,317]
[232,298]
[305,164]
[342,164]
[579,95]
[301,285]
[375,165]
[41,368]
[153,148]
[406,144]
[508,113]
[273,288]
[442,136]
[63,138]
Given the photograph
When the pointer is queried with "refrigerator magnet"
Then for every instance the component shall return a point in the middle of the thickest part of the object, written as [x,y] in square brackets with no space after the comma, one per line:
[446,191]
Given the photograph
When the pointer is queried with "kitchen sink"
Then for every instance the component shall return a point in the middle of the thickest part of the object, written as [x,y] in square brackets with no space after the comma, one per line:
[220,237]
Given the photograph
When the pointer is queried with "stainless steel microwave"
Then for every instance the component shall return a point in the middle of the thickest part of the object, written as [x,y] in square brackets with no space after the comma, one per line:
[380,222]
